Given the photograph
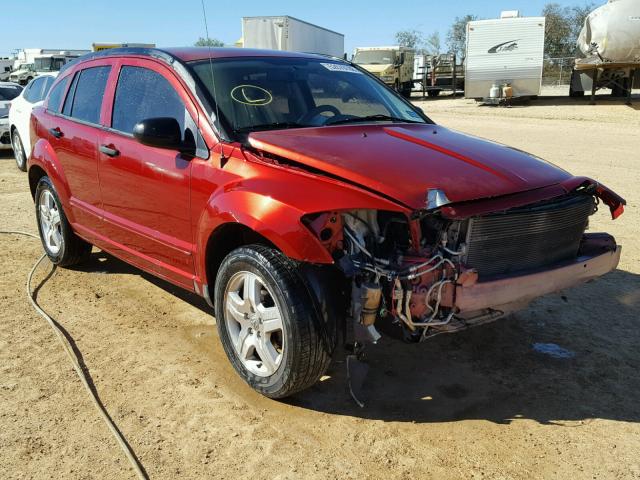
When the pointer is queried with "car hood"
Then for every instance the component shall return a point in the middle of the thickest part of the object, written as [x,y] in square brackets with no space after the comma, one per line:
[404,161]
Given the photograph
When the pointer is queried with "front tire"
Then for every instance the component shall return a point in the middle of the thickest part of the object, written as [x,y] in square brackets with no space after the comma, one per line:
[61,244]
[406,90]
[267,322]
[18,151]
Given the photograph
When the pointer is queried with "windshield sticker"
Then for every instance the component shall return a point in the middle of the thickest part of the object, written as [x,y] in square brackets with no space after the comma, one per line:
[339,67]
[251,95]
[411,113]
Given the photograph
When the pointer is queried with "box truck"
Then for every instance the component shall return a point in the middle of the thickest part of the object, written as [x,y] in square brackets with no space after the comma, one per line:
[504,56]
[31,62]
[290,34]
[393,65]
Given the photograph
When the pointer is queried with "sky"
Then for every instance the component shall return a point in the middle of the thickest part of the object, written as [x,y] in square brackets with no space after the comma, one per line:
[76,24]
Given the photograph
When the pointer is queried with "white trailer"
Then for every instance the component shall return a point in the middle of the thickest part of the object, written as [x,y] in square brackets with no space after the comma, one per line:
[290,34]
[504,51]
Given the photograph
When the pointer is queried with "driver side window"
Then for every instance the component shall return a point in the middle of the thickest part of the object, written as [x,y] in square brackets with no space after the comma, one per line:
[348,98]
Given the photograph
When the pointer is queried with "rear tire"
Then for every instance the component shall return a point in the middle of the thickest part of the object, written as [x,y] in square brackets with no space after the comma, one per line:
[433,93]
[60,243]
[267,322]
[18,151]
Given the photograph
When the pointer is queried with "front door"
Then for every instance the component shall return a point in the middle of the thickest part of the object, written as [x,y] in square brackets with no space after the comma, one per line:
[145,190]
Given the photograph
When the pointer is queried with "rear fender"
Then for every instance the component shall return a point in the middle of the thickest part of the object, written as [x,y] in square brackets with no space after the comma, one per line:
[43,156]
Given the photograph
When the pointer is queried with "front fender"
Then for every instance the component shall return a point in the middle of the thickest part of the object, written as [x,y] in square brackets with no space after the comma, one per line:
[44,156]
[271,200]
[278,222]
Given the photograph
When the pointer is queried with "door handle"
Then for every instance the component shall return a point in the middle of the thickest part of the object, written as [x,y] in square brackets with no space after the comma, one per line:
[109,150]
[56,132]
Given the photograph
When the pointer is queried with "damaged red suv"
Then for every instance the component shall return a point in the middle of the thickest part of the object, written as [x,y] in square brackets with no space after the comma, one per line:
[302,198]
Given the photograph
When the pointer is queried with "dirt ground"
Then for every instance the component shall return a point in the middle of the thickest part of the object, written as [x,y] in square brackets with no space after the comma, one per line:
[478,404]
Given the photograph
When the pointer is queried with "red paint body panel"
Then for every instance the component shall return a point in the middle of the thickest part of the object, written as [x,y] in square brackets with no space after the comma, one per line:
[146,191]
[403,162]
[157,209]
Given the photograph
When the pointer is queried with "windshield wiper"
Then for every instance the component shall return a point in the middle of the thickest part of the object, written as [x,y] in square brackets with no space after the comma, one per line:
[269,126]
[376,117]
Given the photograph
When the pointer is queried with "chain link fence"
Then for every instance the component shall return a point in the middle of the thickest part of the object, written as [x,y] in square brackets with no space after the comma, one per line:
[557,71]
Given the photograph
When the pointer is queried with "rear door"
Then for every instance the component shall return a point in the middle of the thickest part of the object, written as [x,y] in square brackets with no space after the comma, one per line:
[145,190]
[73,133]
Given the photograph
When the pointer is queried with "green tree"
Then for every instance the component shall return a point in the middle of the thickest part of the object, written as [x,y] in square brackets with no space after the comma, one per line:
[432,44]
[578,16]
[563,25]
[209,42]
[409,38]
[457,36]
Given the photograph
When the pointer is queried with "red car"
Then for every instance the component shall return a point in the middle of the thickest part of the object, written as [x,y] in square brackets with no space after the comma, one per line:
[300,196]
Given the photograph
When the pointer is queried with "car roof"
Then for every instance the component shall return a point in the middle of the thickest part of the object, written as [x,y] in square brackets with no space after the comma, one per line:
[10,84]
[189,54]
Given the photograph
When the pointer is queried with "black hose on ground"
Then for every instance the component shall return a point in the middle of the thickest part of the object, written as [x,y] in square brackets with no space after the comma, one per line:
[75,361]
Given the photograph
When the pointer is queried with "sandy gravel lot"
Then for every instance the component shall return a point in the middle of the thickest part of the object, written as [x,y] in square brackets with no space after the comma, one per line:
[480,404]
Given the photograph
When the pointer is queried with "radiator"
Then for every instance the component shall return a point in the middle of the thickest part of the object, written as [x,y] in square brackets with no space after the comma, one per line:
[527,238]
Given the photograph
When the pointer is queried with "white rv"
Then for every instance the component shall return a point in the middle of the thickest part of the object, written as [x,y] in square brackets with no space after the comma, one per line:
[290,34]
[508,51]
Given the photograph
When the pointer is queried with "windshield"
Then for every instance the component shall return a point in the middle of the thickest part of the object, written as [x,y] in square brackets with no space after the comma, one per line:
[266,93]
[9,92]
[48,64]
[375,57]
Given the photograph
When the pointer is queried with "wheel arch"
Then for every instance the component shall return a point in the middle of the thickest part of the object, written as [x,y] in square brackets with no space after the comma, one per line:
[43,161]
[240,217]
[221,242]
[36,172]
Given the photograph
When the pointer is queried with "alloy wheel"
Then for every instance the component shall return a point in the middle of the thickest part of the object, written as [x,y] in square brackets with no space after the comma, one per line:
[50,222]
[17,150]
[254,323]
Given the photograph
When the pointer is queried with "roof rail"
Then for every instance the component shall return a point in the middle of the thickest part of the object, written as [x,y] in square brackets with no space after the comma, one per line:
[114,52]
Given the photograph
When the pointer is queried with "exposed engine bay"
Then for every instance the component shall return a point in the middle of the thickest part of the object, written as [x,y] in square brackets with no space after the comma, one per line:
[411,268]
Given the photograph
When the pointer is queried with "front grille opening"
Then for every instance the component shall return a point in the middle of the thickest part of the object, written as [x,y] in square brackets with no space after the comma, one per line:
[528,238]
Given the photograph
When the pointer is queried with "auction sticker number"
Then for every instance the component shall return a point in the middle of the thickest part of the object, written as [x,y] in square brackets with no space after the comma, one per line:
[338,67]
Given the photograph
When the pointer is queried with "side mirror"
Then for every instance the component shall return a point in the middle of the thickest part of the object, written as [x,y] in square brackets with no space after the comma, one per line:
[161,132]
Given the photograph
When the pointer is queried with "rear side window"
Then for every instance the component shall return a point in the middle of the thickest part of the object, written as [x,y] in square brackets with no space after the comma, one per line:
[33,90]
[84,99]
[55,97]
[142,94]
[48,82]
[38,89]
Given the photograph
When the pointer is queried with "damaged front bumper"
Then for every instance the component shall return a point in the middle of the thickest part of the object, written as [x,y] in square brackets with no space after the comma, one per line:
[599,255]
